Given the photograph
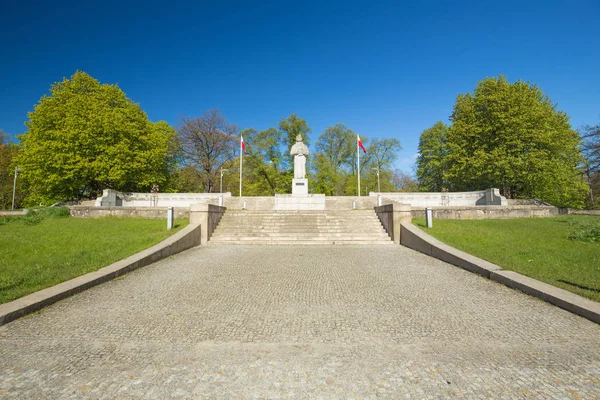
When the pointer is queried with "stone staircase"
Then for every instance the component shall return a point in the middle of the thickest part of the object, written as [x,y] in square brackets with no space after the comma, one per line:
[300,227]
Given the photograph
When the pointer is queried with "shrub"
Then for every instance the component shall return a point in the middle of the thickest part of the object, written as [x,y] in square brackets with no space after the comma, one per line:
[588,232]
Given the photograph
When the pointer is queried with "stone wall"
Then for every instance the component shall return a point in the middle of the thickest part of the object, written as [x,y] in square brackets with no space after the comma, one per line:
[486,212]
[269,203]
[208,217]
[130,212]
[111,198]
[431,199]
[580,212]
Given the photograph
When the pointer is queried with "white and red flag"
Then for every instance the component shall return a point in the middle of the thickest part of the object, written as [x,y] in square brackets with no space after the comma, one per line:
[243,144]
[360,144]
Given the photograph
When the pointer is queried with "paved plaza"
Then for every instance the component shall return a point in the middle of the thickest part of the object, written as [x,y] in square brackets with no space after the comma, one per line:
[248,322]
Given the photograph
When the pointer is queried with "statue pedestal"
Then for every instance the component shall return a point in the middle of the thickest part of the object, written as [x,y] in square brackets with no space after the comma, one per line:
[300,186]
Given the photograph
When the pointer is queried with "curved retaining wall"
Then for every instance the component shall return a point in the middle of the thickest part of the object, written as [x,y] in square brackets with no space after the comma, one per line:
[186,238]
[416,239]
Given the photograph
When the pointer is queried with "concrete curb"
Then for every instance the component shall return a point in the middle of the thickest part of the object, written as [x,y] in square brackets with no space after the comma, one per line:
[416,239]
[186,238]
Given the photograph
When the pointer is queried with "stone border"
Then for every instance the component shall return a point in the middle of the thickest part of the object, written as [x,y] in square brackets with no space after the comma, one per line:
[416,239]
[186,238]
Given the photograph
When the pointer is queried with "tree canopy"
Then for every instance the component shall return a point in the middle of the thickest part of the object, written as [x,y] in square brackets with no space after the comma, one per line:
[510,136]
[87,136]
[433,150]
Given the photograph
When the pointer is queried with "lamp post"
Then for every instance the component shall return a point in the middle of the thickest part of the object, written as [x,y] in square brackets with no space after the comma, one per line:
[221,186]
[378,184]
[17,169]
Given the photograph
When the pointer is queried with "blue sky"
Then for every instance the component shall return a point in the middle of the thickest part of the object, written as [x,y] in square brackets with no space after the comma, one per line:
[384,68]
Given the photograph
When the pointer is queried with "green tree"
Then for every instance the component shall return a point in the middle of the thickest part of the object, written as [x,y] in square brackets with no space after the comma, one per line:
[513,137]
[85,137]
[268,163]
[334,150]
[383,152]
[433,150]
[293,126]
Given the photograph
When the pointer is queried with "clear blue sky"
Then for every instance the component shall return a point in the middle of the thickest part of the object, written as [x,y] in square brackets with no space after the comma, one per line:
[384,68]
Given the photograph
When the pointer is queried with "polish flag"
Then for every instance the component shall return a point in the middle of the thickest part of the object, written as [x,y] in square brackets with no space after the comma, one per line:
[243,144]
[360,144]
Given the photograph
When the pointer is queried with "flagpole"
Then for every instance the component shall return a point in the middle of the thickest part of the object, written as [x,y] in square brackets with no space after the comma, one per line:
[358,164]
[241,156]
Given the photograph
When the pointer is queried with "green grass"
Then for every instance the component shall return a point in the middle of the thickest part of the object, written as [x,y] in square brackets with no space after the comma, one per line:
[39,251]
[560,251]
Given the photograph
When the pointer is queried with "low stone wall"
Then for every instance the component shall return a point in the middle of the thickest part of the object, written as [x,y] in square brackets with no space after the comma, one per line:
[130,212]
[122,199]
[414,238]
[392,216]
[268,203]
[486,212]
[486,197]
[208,216]
[186,238]
[581,212]
[345,202]
[386,217]
[13,213]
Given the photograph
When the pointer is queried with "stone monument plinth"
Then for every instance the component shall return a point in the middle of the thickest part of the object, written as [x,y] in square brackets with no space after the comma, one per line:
[299,186]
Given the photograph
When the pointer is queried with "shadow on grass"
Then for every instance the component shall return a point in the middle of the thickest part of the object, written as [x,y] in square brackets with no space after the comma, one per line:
[579,286]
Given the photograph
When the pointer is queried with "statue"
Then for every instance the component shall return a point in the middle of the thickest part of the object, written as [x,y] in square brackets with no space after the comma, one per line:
[300,152]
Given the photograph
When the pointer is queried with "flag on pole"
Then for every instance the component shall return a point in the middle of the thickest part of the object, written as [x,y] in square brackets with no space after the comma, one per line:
[243,144]
[360,144]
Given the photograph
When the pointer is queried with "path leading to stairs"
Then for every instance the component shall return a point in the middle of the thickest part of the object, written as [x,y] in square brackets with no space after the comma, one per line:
[300,322]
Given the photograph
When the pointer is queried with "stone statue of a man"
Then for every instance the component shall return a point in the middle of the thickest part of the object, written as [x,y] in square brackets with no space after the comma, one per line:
[300,152]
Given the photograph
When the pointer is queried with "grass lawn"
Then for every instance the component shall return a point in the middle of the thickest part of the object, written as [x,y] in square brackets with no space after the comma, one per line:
[536,247]
[38,255]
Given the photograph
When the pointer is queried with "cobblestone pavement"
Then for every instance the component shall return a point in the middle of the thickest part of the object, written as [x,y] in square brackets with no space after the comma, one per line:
[300,322]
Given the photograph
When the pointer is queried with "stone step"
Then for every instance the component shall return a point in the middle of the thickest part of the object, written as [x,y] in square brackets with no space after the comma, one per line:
[302,234]
[302,218]
[224,231]
[300,227]
[333,225]
[292,238]
[304,242]
[296,212]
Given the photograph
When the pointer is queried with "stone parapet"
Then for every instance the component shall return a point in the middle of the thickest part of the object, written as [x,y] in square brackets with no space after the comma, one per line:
[392,216]
[416,239]
[127,212]
[432,199]
[486,212]
[208,216]
[112,198]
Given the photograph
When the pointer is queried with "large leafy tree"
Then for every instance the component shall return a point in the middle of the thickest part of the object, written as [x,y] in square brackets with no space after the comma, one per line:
[334,150]
[85,137]
[268,164]
[293,126]
[433,150]
[511,136]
